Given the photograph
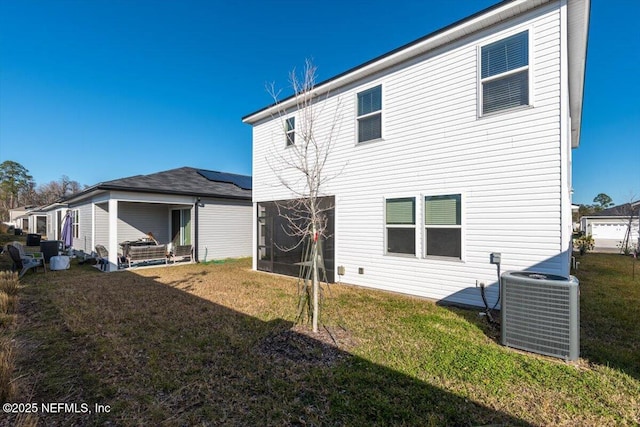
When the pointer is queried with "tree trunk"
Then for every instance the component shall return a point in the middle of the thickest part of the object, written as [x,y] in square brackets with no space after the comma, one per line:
[314,272]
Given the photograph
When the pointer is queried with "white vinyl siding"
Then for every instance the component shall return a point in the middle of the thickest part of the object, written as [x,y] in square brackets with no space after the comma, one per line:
[101,225]
[85,228]
[507,166]
[225,229]
[135,220]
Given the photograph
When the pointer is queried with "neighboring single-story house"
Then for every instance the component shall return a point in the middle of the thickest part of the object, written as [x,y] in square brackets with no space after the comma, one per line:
[36,221]
[608,227]
[186,206]
[19,217]
[44,220]
[54,214]
[438,150]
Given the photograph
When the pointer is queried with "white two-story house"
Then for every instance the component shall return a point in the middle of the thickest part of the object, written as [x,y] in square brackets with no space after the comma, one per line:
[449,149]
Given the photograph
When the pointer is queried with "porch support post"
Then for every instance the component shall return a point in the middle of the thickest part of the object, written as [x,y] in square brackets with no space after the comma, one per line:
[113,235]
[254,237]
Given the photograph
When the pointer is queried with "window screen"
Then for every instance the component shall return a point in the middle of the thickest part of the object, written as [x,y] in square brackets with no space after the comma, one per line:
[290,127]
[505,73]
[400,225]
[370,114]
[443,226]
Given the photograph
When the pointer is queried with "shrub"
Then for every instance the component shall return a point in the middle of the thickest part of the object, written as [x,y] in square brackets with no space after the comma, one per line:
[9,282]
[8,304]
[627,249]
[4,302]
[584,243]
[6,370]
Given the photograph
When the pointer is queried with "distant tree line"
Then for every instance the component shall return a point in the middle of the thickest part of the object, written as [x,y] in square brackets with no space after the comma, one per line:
[600,202]
[17,188]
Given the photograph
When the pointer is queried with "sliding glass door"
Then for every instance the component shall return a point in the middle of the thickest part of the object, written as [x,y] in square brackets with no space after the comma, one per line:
[181,226]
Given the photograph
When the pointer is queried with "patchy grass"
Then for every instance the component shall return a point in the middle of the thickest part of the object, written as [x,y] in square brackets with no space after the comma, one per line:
[8,306]
[610,332]
[214,345]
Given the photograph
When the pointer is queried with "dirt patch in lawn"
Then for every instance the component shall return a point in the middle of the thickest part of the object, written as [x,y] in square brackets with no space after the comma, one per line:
[299,344]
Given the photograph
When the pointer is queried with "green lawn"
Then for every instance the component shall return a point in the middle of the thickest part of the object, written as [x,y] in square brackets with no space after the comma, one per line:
[214,345]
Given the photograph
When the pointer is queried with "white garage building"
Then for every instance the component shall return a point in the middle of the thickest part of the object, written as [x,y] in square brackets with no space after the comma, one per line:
[609,226]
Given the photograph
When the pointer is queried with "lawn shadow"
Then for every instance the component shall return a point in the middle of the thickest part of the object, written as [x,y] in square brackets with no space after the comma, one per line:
[157,355]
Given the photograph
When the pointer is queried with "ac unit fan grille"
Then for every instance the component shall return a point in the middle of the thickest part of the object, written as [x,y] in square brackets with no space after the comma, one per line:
[538,318]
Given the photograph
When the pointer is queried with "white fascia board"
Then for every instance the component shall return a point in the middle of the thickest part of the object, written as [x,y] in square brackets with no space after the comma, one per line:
[578,26]
[88,194]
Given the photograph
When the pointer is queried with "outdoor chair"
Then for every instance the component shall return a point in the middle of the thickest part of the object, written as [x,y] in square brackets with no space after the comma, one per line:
[103,257]
[181,251]
[24,262]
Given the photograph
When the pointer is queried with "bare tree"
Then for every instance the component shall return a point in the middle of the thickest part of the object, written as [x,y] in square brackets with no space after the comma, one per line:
[302,169]
[54,190]
[629,211]
[17,188]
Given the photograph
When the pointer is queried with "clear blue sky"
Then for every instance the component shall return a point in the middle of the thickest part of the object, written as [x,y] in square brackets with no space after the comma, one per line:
[104,89]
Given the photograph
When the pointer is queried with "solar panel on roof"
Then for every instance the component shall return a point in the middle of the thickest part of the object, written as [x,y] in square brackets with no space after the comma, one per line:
[240,181]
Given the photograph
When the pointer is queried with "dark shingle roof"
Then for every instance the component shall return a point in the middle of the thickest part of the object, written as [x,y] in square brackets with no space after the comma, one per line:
[620,210]
[185,180]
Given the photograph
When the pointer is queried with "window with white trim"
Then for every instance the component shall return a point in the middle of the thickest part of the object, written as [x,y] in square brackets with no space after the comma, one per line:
[400,219]
[504,73]
[443,226]
[75,224]
[290,130]
[370,114]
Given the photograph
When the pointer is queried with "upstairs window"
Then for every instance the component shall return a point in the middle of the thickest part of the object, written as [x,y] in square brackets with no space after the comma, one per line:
[370,114]
[401,225]
[290,131]
[443,226]
[504,75]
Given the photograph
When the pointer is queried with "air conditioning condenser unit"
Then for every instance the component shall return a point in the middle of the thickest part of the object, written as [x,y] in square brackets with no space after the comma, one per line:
[540,313]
